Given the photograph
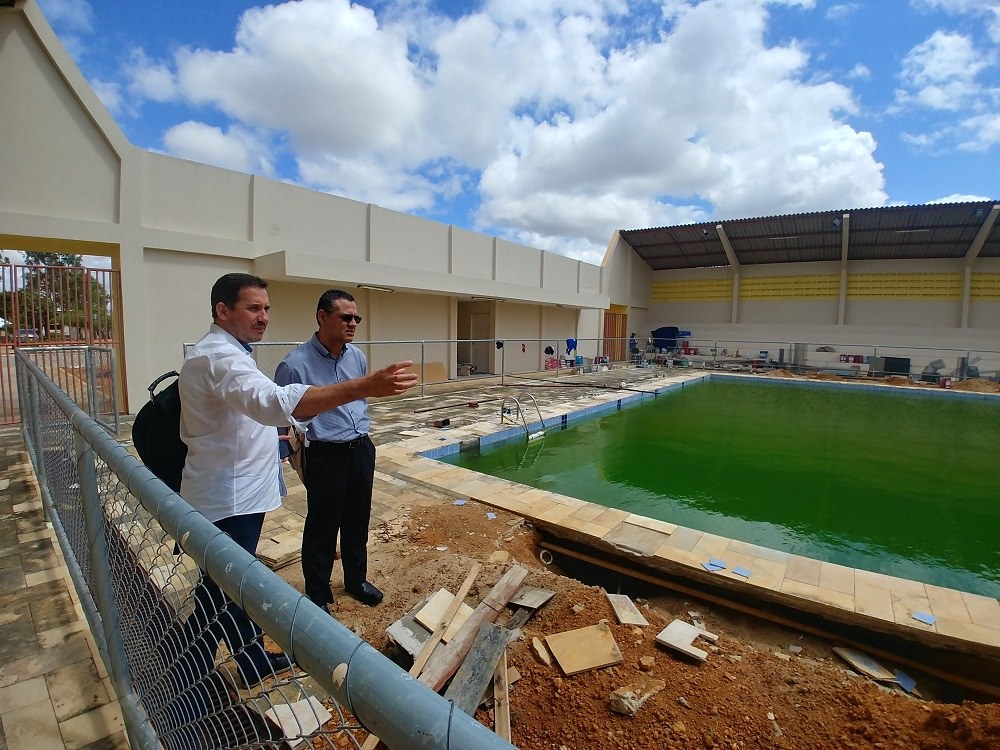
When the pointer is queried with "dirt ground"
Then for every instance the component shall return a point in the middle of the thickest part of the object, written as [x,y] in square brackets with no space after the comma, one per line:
[762,685]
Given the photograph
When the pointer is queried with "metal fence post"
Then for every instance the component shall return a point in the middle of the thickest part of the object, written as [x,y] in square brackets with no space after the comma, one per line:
[423,368]
[503,366]
[88,366]
[36,434]
[140,731]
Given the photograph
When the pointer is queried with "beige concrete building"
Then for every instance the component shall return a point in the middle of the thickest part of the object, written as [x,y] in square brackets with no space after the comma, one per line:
[71,182]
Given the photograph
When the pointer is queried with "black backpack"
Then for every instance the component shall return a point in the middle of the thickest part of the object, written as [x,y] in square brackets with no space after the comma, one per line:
[156,433]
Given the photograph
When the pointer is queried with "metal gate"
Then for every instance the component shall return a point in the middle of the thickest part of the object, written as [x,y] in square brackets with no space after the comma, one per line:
[69,319]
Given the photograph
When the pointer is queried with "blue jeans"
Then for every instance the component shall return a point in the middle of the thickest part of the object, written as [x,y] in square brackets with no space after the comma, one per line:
[240,633]
[199,698]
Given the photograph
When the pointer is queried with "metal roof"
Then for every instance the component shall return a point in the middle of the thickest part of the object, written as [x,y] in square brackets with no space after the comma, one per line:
[940,230]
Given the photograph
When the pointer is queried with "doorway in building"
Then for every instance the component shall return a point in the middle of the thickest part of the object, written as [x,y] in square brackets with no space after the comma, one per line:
[475,333]
[615,335]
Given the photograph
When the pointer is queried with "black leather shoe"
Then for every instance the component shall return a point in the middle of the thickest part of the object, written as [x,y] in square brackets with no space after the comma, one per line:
[366,593]
[325,606]
[276,662]
[279,662]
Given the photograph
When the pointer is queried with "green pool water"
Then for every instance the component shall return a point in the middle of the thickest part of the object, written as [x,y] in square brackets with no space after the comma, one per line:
[900,484]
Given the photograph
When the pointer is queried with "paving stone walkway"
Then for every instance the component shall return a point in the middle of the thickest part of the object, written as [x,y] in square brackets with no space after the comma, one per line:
[54,689]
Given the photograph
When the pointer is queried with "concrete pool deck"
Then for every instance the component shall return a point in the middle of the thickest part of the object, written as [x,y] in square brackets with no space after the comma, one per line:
[963,621]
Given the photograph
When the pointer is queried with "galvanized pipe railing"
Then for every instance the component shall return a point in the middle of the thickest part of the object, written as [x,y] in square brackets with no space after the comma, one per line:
[384,698]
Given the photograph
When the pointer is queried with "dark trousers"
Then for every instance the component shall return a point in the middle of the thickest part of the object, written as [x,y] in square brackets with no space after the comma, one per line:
[240,633]
[338,481]
[197,690]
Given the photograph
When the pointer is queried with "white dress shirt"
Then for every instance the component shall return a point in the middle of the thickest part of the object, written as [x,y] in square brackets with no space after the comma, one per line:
[229,410]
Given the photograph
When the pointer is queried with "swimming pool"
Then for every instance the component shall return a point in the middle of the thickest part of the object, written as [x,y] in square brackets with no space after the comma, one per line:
[898,482]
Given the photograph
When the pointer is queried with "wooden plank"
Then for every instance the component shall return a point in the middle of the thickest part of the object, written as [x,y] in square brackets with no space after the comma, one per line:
[446,660]
[501,699]
[418,664]
[521,616]
[431,613]
[477,670]
[449,615]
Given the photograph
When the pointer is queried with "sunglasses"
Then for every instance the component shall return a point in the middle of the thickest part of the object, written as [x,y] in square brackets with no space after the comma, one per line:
[347,317]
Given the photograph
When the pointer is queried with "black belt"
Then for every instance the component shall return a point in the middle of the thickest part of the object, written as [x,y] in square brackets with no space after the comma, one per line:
[332,445]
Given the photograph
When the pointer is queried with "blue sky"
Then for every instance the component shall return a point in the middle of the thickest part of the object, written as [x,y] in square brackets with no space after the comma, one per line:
[554,122]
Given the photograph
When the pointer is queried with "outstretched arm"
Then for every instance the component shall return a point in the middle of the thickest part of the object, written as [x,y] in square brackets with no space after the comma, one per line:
[389,381]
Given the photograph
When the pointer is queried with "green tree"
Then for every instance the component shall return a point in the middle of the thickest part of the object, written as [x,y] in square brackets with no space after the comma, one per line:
[58,295]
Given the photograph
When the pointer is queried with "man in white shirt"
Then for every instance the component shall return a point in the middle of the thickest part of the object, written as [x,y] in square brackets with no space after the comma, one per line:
[229,412]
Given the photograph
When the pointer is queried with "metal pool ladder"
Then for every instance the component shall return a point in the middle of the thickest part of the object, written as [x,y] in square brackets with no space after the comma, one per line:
[510,415]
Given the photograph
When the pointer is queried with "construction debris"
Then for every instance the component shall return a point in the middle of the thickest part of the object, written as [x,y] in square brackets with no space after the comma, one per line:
[541,652]
[628,699]
[431,613]
[578,650]
[299,719]
[680,636]
[625,610]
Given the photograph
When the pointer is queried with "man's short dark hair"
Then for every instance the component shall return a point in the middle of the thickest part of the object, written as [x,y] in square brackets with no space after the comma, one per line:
[227,288]
[327,298]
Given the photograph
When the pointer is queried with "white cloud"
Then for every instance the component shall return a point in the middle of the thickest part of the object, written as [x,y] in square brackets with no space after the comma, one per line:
[149,79]
[984,132]
[859,72]
[235,149]
[75,19]
[74,15]
[940,72]
[960,198]
[842,11]
[110,94]
[567,119]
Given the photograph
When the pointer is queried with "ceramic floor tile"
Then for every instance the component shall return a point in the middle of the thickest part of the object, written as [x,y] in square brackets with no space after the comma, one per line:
[758,552]
[711,546]
[891,583]
[983,610]
[44,576]
[651,523]
[555,513]
[22,694]
[75,689]
[588,511]
[803,570]
[89,727]
[968,631]
[873,602]
[903,607]
[677,555]
[55,636]
[32,727]
[610,518]
[947,603]
[815,593]
[635,539]
[837,578]
[766,574]
[684,538]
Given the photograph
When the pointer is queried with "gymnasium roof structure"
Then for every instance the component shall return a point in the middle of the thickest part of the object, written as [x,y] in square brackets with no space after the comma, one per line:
[941,230]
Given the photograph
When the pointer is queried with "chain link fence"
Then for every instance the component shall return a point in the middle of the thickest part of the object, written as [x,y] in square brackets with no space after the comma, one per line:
[457,361]
[157,582]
